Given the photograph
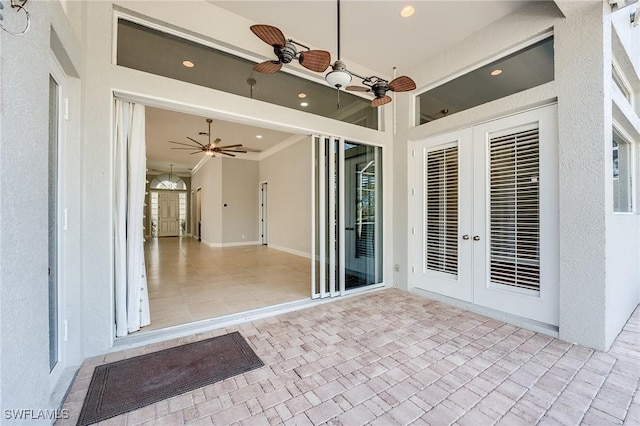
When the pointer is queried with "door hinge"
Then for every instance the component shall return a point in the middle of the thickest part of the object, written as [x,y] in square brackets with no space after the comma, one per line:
[413,231]
[413,191]
[413,152]
[413,269]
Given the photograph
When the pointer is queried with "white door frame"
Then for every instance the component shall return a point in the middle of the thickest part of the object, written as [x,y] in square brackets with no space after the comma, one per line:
[263,212]
[56,71]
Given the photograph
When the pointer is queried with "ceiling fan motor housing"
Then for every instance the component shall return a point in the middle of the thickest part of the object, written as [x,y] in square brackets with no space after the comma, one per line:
[380,88]
[286,53]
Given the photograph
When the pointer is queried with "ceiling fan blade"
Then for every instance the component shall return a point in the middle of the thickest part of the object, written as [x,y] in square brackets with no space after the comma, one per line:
[252,149]
[185,144]
[217,141]
[269,34]
[235,150]
[315,60]
[358,89]
[193,140]
[402,84]
[268,67]
[226,153]
[192,148]
[230,146]
[197,152]
[380,101]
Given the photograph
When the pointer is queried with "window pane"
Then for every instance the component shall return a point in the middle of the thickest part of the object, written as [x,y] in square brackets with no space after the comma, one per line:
[363,214]
[527,68]
[621,175]
[138,47]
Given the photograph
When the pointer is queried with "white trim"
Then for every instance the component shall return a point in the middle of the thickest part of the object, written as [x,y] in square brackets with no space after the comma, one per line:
[340,224]
[312,192]
[234,244]
[290,251]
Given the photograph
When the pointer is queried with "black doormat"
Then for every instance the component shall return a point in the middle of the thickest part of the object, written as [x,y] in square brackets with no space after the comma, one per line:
[133,383]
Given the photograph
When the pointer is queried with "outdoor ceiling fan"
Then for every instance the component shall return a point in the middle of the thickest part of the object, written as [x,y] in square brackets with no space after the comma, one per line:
[212,148]
[286,52]
[340,77]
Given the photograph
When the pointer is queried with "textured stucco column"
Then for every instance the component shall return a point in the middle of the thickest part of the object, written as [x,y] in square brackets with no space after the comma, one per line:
[580,67]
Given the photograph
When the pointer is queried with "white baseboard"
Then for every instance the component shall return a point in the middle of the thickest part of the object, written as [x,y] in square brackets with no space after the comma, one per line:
[290,251]
[234,244]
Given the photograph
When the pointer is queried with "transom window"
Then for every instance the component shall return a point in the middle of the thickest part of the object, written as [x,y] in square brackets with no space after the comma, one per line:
[168,181]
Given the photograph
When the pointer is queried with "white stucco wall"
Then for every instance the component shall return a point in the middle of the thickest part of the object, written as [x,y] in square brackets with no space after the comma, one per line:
[592,308]
[500,36]
[24,341]
[622,229]
[288,176]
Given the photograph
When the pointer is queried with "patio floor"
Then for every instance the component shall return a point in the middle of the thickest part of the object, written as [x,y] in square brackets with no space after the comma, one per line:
[393,358]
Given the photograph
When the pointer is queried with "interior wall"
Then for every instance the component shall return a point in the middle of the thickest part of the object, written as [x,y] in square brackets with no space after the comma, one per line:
[239,186]
[209,178]
[24,322]
[289,189]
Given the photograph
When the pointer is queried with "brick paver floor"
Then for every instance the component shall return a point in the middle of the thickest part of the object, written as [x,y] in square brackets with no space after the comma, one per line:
[393,358]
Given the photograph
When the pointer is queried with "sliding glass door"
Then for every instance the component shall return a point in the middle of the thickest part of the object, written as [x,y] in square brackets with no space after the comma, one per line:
[347,216]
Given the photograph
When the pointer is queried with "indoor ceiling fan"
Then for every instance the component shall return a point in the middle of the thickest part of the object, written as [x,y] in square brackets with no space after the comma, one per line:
[211,148]
[286,51]
[340,77]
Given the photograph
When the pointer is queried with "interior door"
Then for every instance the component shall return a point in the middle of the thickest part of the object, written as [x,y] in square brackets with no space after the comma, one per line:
[443,226]
[168,214]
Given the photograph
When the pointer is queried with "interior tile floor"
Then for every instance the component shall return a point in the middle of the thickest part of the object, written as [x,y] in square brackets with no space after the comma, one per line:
[392,358]
[189,281]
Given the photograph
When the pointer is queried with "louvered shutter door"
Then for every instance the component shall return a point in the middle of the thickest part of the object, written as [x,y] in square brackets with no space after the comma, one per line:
[441,219]
[515,209]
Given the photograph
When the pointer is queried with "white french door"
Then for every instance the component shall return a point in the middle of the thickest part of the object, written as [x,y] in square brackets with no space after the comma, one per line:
[444,173]
[486,202]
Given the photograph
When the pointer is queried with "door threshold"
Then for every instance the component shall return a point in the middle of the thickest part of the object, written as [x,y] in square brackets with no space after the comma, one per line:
[142,337]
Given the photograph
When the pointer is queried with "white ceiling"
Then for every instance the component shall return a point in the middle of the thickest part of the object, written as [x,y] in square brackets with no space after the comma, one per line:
[373,34]
[163,126]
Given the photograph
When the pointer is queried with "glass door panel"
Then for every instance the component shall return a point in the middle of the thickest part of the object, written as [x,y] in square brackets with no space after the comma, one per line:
[347,216]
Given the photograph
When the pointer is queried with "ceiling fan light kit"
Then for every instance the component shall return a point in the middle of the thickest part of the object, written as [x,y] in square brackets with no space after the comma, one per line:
[339,77]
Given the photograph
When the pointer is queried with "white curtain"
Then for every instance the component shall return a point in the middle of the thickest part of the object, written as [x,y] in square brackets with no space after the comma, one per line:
[131,294]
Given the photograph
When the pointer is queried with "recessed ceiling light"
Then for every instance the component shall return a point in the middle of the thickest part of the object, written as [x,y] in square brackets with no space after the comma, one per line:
[304,104]
[407,11]
[302,95]
[259,136]
[188,64]
[496,72]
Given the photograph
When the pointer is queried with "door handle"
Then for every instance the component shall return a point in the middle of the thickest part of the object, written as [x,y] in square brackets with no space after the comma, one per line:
[476,238]
[465,237]
[349,229]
